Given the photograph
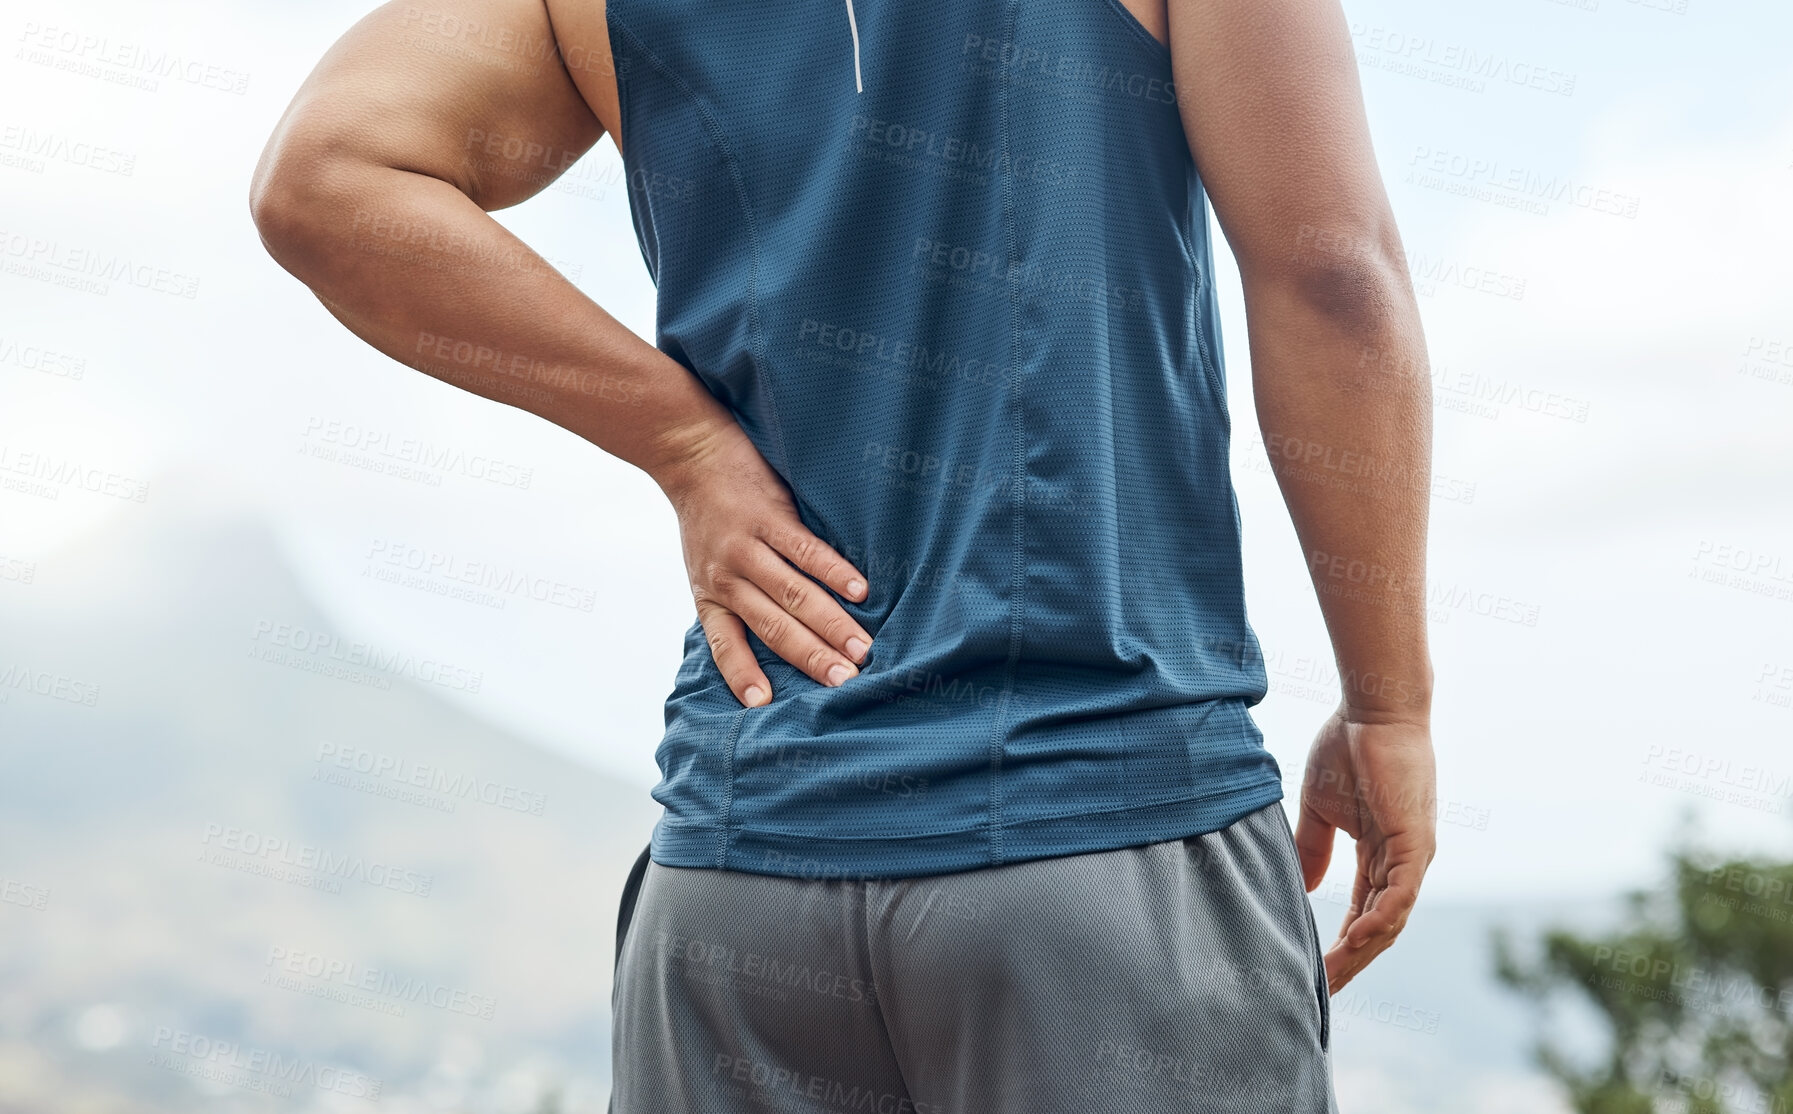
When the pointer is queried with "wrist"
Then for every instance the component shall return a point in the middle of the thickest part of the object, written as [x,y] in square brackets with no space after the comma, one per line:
[1374,716]
[679,454]
[1386,697]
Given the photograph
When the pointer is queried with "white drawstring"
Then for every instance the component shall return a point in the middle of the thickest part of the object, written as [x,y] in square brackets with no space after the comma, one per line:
[858,87]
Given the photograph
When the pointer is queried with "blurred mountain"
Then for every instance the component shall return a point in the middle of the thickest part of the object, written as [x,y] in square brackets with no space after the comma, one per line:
[244,867]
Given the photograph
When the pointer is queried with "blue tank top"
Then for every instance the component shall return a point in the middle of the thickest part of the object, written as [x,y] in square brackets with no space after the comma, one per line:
[948,265]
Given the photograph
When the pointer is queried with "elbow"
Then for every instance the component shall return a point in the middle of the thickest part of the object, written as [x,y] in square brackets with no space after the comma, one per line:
[1340,305]
[285,203]
[1363,294]
[1361,298]
[291,199]
[1353,279]
[275,208]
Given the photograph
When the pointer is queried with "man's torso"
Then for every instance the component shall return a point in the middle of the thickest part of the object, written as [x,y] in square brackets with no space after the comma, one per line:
[949,267]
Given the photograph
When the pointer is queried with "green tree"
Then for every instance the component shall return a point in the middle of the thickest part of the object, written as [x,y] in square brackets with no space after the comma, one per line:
[1694,988]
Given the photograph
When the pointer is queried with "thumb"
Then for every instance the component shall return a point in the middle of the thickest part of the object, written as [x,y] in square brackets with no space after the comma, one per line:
[1313,843]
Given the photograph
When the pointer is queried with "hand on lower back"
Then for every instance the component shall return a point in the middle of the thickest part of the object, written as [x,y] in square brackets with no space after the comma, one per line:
[1375,783]
[751,561]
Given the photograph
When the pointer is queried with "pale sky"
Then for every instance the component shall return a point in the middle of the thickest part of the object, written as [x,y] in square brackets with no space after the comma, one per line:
[1612,548]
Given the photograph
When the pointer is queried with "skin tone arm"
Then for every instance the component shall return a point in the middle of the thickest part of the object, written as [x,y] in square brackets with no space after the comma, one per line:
[375,191]
[1270,101]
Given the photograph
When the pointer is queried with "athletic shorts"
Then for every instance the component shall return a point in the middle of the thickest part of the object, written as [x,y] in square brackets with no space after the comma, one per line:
[1178,976]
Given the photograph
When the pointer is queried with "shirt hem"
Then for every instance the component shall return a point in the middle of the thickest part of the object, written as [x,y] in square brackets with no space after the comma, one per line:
[789,855]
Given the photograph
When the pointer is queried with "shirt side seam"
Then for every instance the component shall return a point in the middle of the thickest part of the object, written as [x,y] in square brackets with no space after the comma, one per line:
[756,331]
[728,790]
[1017,465]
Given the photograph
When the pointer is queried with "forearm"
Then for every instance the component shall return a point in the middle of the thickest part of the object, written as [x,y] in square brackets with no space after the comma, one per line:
[409,263]
[1343,395]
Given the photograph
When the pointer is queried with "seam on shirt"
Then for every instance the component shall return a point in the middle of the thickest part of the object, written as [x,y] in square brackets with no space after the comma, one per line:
[714,131]
[1017,465]
[1211,357]
[1196,199]
[728,790]
[718,140]
[624,103]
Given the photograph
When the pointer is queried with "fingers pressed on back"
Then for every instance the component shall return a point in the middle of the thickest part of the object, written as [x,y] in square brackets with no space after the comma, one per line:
[809,602]
[787,636]
[727,637]
[817,558]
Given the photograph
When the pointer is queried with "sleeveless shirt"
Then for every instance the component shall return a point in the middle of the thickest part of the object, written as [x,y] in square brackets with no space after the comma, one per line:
[948,265]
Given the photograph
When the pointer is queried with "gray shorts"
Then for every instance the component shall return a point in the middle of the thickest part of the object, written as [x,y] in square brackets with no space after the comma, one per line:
[1178,976]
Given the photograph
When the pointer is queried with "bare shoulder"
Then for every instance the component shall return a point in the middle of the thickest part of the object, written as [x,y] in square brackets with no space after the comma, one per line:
[583,37]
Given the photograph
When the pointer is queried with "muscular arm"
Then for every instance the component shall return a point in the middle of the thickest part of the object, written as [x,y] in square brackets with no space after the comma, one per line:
[374,192]
[1271,105]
